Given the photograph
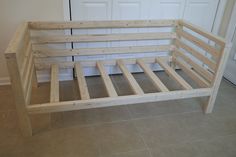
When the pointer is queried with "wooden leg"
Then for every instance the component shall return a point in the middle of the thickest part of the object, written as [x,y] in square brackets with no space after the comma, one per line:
[211,101]
[218,77]
[24,122]
[20,102]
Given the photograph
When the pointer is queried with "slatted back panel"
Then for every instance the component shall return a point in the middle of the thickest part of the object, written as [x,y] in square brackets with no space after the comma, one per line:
[199,51]
[112,36]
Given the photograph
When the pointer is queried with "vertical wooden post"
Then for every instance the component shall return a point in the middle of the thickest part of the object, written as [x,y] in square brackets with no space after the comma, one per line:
[217,79]
[16,83]
[173,64]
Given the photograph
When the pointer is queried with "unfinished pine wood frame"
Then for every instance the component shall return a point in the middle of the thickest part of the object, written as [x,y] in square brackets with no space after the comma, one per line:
[204,64]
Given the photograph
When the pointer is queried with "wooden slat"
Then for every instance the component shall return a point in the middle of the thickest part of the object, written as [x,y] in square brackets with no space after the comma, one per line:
[129,77]
[102,24]
[214,52]
[106,80]
[173,74]
[201,70]
[204,33]
[54,88]
[84,93]
[196,54]
[152,76]
[115,101]
[192,74]
[102,37]
[47,64]
[100,51]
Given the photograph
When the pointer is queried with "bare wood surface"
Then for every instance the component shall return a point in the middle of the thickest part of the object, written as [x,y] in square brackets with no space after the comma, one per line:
[102,24]
[204,33]
[129,77]
[106,80]
[217,79]
[100,51]
[19,97]
[173,74]
[84,93]
[115,101]
[102,37]
[152,76]
[200,69]
[197,54]
[192,74]
[213,51]
[54,88]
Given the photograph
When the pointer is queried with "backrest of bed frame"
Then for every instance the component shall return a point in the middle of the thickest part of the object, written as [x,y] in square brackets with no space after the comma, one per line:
[113,42]
[192,49]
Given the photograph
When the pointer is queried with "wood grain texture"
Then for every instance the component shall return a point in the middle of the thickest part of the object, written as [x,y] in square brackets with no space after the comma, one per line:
[173,74]
[152,76]
[83,89]
[106,80]
[129,77]
[54,88]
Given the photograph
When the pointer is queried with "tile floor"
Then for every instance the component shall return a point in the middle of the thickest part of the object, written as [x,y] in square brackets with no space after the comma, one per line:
[161,129]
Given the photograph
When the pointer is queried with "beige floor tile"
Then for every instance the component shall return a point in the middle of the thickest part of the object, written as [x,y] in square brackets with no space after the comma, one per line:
[138,153]
[68,142]
[91,116]
[164,108]
[171,128]
[117,138]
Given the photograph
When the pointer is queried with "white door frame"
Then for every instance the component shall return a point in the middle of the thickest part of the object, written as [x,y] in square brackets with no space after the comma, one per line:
[232,26]
[230,37]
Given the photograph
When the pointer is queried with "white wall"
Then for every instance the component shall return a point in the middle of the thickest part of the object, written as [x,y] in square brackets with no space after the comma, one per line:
[15,11]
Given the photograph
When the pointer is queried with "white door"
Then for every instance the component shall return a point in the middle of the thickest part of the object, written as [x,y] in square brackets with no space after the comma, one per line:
[200,12]
[230,71]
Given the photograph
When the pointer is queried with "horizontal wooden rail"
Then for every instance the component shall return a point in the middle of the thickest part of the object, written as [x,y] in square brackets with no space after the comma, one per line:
[101,24]
[192,74]
[197,29]
[115,101]
[67,64]
[211,50]
[152,76]
[102,37]
[173,74]
[83,89]
[100,51]
[196,54]
[198,68]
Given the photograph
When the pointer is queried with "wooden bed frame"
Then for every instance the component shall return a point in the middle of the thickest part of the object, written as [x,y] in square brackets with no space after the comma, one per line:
[206,69]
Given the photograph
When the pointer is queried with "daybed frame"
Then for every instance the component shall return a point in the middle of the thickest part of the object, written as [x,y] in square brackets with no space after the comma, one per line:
[205,69]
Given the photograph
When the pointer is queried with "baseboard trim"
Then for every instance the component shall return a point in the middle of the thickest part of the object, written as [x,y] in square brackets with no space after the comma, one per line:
[5,81]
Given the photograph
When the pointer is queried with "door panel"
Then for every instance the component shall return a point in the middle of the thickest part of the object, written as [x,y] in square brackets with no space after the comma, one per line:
[200,12]
[166,9]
